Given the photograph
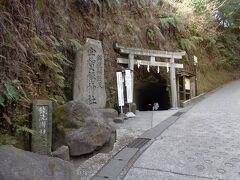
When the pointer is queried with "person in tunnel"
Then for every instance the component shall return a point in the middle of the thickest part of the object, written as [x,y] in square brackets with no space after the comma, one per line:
[155,106]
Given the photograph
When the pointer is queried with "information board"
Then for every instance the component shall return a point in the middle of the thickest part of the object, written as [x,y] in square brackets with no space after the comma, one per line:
[187,84]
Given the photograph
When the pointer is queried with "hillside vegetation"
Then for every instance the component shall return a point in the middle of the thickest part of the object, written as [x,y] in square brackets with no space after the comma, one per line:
[39,40]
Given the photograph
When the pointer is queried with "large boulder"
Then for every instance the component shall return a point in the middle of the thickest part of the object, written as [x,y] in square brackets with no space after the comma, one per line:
[62,153]
[86,140]
[17,164]
[80,127]
[109,115]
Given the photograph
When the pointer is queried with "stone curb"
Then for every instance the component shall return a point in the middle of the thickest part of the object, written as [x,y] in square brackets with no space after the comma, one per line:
[193,100]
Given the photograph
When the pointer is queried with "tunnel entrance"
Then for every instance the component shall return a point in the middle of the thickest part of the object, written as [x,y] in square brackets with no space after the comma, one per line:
[148,93]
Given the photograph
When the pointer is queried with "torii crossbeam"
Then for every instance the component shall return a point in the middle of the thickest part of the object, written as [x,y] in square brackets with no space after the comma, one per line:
[153,54]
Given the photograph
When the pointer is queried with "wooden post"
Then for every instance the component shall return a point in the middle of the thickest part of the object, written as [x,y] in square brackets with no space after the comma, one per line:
[184,89]
[178,91]
[173,84]
[196,92]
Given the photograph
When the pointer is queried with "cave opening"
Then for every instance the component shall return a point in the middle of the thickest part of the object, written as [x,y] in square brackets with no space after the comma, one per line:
[153,90]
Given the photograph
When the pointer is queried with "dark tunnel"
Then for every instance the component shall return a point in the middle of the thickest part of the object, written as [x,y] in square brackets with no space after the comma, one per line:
[149,93]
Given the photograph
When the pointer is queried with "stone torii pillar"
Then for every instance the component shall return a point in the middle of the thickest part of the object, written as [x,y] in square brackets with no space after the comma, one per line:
[153,54]
[173,84]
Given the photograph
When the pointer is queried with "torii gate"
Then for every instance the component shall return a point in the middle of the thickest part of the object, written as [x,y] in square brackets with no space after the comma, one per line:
[131,52]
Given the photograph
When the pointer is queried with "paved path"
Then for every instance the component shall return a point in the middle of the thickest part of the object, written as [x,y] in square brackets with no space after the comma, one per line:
[203,144]
[146,119]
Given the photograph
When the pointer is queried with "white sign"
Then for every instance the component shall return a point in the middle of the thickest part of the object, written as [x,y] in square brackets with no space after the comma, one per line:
[187,84]
[195,60]
[120,89]
[128,81]
[128,77]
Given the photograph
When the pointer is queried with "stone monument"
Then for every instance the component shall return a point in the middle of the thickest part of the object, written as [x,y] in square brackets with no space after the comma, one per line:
[89,86]
[42,126]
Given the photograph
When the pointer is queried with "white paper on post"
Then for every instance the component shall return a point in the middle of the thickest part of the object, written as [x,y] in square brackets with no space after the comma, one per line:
[120,89]
[128,81]
[129,94]
[128,77]
[167,67]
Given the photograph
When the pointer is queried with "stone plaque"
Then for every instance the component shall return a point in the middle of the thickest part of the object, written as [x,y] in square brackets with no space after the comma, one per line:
[42,126]
[89,86]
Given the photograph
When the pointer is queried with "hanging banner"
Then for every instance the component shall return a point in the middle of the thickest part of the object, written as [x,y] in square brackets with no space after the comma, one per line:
[167,67]
[128,81]
[120,89]
[138,64]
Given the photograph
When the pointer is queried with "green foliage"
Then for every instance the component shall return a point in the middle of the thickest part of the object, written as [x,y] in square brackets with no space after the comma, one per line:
[228,45]
[37,41]
[173,21]
[192,28]
[222,62]
[129,27]
[39,5]
[12,91]
[220,45]
[109,3]
[141,3]
[160,3]
[187,44]
[58,22]
[54,42]
[77,45]
[7,139]
[61,59]
[51,58]
[23,129]
[60,80]
[159,33]
[2,100]
[154,33]
[228,13]
[57,99]
[196,39]
[200,6]
[44,58]
[150,35]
